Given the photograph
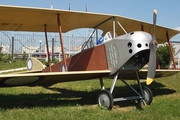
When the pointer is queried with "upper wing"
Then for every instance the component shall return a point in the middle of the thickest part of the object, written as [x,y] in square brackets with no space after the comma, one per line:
[16,18]
[33,79]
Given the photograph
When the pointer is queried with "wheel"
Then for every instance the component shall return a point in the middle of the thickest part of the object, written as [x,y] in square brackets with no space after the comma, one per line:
[148,95]
[105,99]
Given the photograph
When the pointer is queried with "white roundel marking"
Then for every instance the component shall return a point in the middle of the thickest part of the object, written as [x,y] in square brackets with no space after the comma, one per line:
[63,68]
[29,64]
[21,81]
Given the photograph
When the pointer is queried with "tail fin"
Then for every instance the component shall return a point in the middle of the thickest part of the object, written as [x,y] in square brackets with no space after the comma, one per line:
[34,64]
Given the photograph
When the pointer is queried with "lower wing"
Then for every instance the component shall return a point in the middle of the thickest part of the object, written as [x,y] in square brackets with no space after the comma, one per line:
[159,73]
[33,79]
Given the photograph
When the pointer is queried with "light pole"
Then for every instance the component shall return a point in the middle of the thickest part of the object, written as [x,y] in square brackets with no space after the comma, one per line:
[40,41]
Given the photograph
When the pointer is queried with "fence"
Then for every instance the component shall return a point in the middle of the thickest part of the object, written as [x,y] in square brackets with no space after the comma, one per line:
[30,43]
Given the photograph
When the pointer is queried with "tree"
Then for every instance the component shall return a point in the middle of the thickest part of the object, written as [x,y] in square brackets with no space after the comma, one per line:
[1,55]
[164,57]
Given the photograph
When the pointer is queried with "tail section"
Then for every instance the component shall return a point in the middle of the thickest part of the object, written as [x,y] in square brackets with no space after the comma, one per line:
[34,64]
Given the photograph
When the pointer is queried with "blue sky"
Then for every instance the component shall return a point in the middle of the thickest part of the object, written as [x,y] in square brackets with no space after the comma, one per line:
[168,10]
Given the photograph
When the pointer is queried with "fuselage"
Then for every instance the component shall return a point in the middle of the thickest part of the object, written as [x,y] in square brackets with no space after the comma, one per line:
[129,52]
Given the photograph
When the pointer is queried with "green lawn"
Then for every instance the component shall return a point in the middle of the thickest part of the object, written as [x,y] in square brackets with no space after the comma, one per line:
[78,101]
[12,65]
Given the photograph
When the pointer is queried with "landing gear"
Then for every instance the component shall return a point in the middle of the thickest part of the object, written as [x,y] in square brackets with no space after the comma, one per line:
[105,99]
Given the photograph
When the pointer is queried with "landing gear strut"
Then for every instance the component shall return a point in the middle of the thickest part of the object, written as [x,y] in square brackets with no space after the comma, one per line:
[105,98]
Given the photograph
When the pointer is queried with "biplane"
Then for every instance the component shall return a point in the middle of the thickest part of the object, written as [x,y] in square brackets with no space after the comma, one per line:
[126,47]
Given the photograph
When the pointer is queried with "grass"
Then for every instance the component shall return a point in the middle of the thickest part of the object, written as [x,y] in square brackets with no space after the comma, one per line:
[78,100]
[12,65]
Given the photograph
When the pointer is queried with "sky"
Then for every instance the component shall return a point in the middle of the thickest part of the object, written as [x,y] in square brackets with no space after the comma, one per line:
[168,10]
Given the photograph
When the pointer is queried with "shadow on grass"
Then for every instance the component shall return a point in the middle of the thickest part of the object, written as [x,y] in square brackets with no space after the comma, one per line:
[64,98]
[73,98]
[157,89]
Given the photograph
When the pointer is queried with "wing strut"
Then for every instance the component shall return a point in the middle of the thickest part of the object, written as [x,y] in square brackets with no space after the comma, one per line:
[170,49]
[121,26]
[114,27]
[47,46]
[61,41]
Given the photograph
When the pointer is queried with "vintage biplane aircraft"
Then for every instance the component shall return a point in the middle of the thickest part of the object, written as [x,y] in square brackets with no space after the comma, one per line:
[126,48]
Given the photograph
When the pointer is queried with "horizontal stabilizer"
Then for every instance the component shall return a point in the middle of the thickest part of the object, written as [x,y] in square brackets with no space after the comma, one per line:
[33,64]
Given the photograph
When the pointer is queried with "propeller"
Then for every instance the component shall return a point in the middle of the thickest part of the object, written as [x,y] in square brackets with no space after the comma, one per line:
[152,56]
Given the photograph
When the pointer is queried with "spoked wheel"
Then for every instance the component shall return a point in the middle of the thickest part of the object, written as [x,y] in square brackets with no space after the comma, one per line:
[105,99]
[148,95]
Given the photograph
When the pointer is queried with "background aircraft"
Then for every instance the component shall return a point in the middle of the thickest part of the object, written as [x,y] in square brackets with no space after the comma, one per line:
[128,47]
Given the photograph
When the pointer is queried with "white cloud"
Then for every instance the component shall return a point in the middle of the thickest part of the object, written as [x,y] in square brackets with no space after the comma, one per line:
[177,28]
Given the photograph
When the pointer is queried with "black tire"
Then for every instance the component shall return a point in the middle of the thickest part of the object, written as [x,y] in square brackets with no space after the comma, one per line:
[148,95]
[105,99]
